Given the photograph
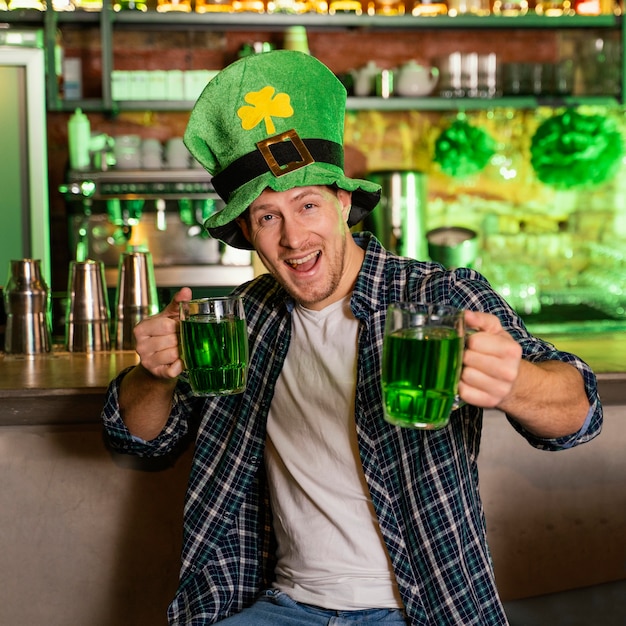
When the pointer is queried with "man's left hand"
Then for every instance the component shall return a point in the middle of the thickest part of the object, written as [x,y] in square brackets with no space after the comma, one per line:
[491,361]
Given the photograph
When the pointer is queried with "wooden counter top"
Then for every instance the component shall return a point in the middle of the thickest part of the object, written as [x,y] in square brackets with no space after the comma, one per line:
[66,388]
[61,371]
[57,388]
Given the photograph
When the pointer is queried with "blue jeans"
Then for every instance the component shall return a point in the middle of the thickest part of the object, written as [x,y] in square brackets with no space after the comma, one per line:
[275,608]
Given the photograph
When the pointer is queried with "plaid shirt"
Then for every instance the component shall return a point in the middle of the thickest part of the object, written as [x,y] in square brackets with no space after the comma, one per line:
[424,485]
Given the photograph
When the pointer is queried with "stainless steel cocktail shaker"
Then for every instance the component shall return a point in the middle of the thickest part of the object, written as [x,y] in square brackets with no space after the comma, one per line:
[87,324]
[136,296]
[27,305]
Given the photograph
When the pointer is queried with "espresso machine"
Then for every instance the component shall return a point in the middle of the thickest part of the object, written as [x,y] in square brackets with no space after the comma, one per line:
[161,211]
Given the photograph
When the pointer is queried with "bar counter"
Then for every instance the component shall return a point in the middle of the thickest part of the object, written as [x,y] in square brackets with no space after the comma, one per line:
[84,529]
[66,388]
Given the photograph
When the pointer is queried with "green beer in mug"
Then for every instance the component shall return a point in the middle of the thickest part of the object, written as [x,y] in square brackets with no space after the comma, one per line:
[421,366]
[214,341]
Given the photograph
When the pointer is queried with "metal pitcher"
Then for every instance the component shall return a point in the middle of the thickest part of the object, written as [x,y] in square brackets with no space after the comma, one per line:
[399,220]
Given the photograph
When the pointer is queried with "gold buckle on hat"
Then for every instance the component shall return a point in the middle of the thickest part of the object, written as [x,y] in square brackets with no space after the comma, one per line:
[298,144]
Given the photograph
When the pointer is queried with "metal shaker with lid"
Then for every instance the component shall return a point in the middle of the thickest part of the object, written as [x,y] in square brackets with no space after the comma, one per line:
[27,306]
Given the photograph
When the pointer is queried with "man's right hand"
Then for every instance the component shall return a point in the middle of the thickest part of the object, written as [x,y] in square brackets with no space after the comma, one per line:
[156,339]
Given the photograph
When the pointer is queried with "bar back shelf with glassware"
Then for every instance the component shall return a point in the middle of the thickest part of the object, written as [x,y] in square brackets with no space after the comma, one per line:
[107,20]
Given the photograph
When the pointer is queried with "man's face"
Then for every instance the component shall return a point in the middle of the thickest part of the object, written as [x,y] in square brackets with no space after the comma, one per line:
[302,238]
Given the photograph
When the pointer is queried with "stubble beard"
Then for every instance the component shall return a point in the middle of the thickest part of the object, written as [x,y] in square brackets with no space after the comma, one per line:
[308,296]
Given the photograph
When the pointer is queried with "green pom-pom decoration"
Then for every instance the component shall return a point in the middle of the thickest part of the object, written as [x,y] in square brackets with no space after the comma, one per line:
[573,150]
[463,149]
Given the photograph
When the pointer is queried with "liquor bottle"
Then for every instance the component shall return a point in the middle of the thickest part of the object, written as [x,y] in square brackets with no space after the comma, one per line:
[385,7]
[595,7]
[37,5]
[88,5]
[345,6]
[429,8]
[468,7]
[248,6]
[130,5]
[510,8]
[290,7]
[554,8]
[179,6]
[208,6]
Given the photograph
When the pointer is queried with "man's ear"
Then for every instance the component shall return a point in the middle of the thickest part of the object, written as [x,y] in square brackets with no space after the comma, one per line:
[345,199]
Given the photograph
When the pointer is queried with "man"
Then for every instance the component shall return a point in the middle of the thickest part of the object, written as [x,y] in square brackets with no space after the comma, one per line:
[304,506]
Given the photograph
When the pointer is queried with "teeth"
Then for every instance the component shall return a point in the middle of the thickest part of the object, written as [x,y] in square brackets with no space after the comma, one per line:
[296,262]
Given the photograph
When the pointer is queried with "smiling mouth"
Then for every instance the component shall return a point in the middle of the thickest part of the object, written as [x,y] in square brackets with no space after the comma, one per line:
[305,262]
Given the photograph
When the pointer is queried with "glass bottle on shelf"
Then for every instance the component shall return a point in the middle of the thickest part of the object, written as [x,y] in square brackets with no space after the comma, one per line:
[428,8]
[596,7]
[180,6]
[37,5]
[130,5]
[248,6]
[316,6]
[468,7]
[297,6]
[62,5]
[554,8]
[88,5]
[510,8]
[294,7]
[345,6]
[385,7]
[204,6]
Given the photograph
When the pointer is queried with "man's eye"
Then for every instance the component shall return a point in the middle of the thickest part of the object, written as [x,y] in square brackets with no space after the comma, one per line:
[266,218]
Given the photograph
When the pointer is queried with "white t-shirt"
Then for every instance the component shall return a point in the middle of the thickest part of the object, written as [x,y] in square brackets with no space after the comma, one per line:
[330,549]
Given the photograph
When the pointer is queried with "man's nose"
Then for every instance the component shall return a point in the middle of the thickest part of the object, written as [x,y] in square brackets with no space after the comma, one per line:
[293,235]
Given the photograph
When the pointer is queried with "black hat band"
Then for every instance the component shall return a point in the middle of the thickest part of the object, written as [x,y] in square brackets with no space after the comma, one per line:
[285,154]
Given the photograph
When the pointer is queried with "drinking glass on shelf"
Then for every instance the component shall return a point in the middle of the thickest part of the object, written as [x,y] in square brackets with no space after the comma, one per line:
[563,77]
[469,74]
[451,75]
[599,59]
[488,76]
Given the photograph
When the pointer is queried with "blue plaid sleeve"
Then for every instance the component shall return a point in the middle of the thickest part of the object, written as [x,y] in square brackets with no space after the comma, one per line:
[175,431]
[471,290]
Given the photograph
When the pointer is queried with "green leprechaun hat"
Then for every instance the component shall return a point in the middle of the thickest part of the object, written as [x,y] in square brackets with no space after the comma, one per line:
[272,120]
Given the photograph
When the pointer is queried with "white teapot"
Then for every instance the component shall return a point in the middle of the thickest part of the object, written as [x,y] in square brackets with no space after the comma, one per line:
[364,79]
[414,80]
